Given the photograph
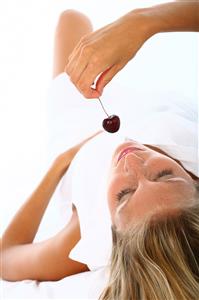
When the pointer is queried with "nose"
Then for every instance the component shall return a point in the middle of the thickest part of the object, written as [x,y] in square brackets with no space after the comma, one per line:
[134,164]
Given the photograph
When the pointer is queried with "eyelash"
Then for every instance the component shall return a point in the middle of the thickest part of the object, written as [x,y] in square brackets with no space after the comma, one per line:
[121,194]
[164,173]
[124,192]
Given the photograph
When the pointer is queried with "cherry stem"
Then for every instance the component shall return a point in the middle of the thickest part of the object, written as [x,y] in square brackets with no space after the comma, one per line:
[103,107]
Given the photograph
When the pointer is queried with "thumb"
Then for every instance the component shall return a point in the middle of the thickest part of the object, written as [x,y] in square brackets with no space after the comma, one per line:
[106,77]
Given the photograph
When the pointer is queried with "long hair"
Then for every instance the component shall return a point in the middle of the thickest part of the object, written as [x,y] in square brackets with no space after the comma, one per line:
[156,260]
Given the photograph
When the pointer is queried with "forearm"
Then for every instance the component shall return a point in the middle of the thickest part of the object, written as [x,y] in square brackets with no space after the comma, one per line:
[25,223]
[173,16]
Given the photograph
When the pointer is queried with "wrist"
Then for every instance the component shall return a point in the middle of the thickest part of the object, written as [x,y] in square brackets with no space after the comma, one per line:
[144,21]
[150,21]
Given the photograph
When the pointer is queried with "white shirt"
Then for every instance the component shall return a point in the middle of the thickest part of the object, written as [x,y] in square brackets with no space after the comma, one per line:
[165,121]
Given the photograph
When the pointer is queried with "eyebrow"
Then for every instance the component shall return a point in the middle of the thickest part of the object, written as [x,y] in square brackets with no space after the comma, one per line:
[174,180]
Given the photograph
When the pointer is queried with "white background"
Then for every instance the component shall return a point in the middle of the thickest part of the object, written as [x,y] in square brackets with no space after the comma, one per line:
[166,62]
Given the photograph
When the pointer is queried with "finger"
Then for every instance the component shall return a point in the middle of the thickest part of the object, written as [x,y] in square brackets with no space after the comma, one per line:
[74,149]
[79,59]
[88,90]
[71,64]
[72,59]
[106,77]
[86,86]
[89,138]
[80,62]
[75,71]
[76,49]
[92,136]
[91,93]
[88,77]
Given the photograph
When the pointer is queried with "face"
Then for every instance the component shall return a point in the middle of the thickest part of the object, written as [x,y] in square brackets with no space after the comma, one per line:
[142,180]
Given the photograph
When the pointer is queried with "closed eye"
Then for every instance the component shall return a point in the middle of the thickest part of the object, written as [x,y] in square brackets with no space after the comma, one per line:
[123,193]
[127,191]
[163,173]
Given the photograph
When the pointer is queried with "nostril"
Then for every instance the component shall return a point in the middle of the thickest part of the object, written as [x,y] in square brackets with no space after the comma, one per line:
[133,163]
[134,158]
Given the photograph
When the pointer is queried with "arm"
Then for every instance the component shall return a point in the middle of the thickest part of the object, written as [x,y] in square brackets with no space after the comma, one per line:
[174,16]
[44,261]
[106,51]
[47,260]
[24,225]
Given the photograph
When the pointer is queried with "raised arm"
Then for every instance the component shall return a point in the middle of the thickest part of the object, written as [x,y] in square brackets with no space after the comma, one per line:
[48,260]
[106,51]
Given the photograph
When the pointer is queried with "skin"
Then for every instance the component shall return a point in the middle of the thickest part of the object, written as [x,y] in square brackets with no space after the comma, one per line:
[137,171]
[101,54]
[21,258]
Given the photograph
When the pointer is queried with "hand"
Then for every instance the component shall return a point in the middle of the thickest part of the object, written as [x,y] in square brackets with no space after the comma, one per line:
[64,159]
[105,52]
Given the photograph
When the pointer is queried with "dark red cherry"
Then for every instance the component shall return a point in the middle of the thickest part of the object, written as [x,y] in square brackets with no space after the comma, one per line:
[111,124]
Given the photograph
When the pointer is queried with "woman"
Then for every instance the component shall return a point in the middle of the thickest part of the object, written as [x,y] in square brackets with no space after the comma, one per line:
[153,198]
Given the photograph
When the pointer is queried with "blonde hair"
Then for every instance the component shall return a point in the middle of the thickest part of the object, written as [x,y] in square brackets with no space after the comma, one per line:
[156,259]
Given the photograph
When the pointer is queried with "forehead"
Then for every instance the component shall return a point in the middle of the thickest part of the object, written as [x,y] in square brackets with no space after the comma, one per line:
[163,196]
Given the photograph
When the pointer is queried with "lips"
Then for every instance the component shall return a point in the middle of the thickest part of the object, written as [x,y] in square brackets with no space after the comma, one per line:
[128,150]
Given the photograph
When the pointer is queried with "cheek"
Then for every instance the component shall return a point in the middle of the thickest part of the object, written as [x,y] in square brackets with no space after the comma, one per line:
[111,191]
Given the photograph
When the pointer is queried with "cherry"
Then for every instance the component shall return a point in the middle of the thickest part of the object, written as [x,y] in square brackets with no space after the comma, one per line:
[112,123]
